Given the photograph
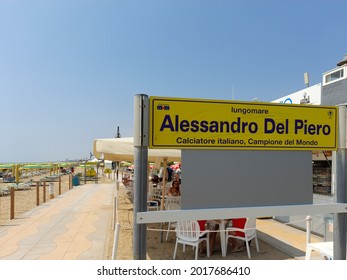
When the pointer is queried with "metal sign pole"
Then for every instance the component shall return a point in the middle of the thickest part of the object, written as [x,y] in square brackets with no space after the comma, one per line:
[141,133]
[340,181]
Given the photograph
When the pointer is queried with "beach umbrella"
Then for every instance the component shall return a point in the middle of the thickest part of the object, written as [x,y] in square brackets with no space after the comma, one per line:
[176,166]
[92,163]
[125,163]
[6,166]
[33,167]
[37,166]
[29,166]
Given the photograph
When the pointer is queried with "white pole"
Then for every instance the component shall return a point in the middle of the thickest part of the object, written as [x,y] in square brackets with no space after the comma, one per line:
[308,229]
[115,242]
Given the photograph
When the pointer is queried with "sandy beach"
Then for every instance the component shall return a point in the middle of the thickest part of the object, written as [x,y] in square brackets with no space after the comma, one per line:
[26,199]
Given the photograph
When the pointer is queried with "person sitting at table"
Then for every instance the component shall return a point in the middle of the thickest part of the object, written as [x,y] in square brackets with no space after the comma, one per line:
[174,190]
[155,179]
[202,225]
[213,227]
[236,244]
[177,177]
[126,179]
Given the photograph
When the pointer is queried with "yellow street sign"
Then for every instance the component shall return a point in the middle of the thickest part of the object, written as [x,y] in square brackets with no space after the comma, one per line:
[183,123]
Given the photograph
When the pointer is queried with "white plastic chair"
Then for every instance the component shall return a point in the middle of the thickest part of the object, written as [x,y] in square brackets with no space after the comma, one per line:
[156,193]
[153,200]
[172,200]
[171,206]
[188,233]
[152,205]
[326,250]
[250,233]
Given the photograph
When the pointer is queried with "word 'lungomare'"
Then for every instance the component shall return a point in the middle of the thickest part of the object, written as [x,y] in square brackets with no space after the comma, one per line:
[238,126]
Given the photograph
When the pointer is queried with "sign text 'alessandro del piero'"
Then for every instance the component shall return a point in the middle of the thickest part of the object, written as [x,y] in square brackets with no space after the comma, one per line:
[218,124]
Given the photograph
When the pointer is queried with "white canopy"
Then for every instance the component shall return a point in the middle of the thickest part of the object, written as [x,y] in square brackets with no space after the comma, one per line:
[118,149]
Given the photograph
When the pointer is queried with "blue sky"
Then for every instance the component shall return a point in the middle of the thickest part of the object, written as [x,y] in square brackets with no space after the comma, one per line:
[69,70]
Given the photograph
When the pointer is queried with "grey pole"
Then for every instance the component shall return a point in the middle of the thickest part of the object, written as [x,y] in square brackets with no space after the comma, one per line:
[141,133]
[340,180]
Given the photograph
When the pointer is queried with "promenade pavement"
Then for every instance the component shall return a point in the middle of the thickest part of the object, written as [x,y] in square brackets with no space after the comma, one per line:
[76,225]
[288,239]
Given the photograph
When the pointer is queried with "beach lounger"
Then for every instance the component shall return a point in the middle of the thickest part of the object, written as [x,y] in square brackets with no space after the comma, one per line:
[20,186]
[9,179]
[52,178]
[4,191]
[27,185]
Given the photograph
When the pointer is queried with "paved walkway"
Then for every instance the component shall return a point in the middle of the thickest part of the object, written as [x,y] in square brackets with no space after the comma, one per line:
[286,238]
[73,226]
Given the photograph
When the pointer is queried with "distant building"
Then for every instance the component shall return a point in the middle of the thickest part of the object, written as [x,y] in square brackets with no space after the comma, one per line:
[310,95]
[334,88]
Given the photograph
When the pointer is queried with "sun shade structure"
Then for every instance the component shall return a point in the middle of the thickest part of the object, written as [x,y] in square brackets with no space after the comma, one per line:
[118,149]
[6,166]
[38,166]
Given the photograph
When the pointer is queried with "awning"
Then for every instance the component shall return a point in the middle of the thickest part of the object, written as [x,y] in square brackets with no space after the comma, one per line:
[118,149]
